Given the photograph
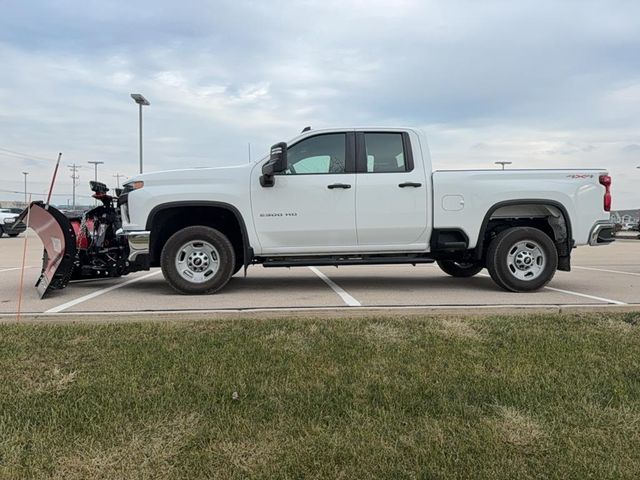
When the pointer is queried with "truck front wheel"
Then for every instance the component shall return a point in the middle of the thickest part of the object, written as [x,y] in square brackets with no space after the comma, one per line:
[522,259]
[460,269]
[197,260]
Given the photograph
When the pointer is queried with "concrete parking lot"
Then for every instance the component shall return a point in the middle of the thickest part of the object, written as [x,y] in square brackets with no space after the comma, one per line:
[602,276]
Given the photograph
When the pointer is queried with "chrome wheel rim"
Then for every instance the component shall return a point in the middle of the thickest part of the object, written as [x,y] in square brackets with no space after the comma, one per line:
[197,261]
[526,260]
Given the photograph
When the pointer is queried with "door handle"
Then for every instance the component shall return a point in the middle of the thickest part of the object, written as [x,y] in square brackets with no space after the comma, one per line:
[338,185]
[410,184]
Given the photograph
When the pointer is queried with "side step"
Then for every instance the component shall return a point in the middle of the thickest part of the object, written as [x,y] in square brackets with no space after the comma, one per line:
[338,260]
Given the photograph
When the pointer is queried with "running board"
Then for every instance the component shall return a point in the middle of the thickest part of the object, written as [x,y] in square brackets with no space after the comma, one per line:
[337,261]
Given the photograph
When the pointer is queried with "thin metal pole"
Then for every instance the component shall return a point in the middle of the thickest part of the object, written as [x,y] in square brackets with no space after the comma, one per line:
[140,106]
[53,180]
[95,177]
[25,187]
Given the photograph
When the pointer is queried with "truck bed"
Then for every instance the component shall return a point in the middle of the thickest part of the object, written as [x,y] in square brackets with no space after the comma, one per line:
[463,198]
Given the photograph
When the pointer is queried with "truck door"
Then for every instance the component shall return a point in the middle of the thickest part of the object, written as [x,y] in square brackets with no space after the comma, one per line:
[392,192]
[311,207]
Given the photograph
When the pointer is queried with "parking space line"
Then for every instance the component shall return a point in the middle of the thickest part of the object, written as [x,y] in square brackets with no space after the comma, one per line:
[348,299]
[72,303]
[577,294]
[607,271]
[9,269]
[12,269]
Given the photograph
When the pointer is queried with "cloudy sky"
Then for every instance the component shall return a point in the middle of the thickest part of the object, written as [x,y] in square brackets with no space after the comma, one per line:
[540,83]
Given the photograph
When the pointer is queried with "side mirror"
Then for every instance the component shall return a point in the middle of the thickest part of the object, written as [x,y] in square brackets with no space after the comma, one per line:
[277,163]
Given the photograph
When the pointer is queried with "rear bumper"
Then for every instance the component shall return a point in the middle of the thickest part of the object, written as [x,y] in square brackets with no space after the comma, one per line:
[601,234]
[138,243]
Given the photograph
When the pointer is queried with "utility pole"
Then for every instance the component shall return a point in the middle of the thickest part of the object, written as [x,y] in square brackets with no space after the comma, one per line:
[117,176]
[74,168]
[25,187]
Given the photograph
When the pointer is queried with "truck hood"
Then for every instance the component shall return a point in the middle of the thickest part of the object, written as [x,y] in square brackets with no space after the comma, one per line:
[190,175]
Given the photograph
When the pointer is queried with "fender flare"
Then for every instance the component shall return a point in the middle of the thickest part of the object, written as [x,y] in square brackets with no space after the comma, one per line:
[524,201]
[246,247]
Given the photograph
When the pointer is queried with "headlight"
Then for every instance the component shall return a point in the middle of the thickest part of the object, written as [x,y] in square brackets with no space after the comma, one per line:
[8,220]
[131,186]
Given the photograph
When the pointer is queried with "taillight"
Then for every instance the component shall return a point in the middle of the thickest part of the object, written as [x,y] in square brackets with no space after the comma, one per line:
[606,181]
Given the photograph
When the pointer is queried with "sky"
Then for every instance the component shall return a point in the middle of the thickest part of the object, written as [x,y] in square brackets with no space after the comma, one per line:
[544,84]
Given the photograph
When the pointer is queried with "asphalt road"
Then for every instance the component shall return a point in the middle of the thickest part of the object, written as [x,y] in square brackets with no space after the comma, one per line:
[601,277]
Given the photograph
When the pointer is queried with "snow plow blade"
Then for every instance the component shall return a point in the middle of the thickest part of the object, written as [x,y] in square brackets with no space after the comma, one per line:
[59,240]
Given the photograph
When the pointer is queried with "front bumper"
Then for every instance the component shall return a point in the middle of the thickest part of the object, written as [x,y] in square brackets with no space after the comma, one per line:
[601,234]
[14,228]
[138,243]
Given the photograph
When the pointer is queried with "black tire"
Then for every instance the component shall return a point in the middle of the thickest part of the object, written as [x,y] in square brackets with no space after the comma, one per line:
[503,269]
[13,235]
[460,269]
[1,232]
[200,235]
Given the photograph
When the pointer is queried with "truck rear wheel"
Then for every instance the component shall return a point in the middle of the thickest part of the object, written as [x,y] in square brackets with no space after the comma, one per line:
[460,269]
[197,260]
[522,259]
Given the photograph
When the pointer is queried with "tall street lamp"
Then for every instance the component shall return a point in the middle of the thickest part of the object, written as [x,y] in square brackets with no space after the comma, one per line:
[25,186]
[95,164]
[141,101]
[503,164]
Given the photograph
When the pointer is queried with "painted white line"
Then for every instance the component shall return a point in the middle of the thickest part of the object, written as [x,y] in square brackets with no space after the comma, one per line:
[577,294]
[9,269]
[607,271]
[12,269]
[584,295]
[72,303]
[348,299]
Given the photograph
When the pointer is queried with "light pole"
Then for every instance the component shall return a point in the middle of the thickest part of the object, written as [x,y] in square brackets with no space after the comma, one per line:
[503,164]
[95,164]
[141,101]
[25,186]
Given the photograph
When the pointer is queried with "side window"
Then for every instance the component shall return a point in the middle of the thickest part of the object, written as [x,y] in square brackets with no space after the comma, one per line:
[319,154]
[385,153]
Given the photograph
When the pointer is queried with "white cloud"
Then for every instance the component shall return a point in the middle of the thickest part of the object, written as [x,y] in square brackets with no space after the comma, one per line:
[541,83]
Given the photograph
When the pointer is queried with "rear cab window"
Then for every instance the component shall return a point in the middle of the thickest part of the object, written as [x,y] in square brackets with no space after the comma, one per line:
[384,152]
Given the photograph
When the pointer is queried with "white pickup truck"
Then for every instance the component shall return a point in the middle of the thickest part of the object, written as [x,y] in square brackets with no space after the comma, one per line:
[356,197]
[8,223]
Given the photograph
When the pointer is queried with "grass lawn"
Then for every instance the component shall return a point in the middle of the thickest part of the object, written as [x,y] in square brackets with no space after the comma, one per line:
[543,396]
